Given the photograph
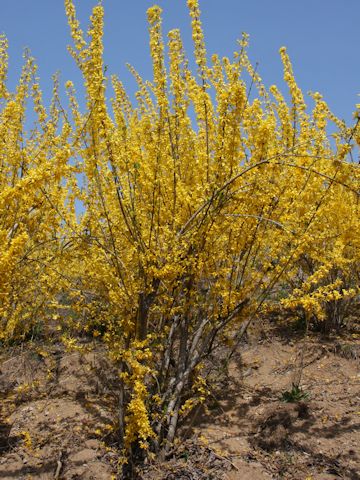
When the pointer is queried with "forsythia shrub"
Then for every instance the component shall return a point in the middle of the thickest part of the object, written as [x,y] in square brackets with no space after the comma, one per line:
[198,202]
[33,167]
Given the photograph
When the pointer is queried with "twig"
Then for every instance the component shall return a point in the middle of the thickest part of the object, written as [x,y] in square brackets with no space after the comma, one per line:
[59,466]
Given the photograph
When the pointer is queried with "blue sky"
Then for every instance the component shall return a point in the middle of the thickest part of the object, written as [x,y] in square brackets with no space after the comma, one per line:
[321,36]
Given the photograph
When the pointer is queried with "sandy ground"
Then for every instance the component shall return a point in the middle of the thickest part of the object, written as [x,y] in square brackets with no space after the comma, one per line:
[58,408]
[265,437]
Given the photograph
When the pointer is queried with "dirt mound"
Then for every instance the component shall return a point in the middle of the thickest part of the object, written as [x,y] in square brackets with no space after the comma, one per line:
[273,428]
[250,424]
[58,412]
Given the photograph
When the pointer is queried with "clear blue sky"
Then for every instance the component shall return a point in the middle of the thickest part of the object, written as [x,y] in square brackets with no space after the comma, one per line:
[322,37]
